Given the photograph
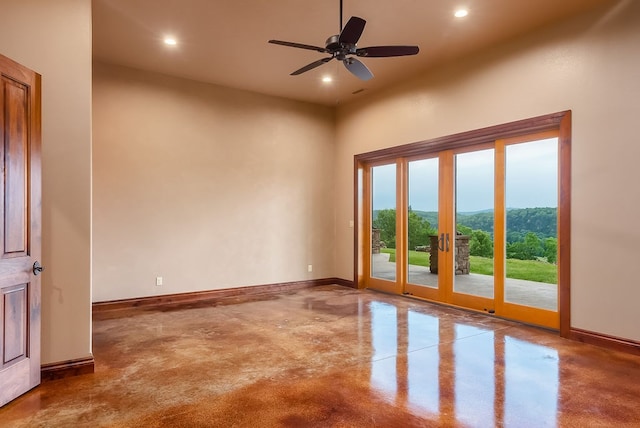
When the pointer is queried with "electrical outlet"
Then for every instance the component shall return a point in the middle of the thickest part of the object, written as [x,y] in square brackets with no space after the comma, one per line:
[310,268]
[158,280]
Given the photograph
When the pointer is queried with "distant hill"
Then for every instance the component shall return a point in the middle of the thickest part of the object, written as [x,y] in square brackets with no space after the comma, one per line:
[541,221]
[430,216]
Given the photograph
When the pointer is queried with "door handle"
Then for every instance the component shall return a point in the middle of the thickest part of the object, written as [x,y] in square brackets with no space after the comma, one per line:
[37,268]
[441,242]
[447,242]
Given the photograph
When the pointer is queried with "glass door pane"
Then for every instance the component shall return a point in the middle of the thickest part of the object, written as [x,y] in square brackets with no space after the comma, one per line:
[472,242]
[531,200]
[422,222]
[383,215]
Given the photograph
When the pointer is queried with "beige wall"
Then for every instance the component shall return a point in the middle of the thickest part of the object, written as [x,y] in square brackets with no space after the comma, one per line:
[212,187]
[54,39]
[206,186]
[589,65]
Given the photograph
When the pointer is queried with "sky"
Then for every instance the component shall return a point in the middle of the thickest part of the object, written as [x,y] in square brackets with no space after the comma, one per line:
[531,179]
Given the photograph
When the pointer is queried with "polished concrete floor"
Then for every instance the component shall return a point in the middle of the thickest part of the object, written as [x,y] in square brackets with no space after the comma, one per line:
[333,357]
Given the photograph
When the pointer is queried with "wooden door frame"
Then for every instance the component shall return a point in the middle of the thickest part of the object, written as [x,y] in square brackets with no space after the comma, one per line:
[560,122]
[366,204]
[421,291]
[503,307]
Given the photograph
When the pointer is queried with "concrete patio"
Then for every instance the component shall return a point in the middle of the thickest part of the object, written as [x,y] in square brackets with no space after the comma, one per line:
[528,293]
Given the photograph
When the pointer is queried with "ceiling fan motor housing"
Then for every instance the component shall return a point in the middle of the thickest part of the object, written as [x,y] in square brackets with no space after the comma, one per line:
[333,44]
[339,50]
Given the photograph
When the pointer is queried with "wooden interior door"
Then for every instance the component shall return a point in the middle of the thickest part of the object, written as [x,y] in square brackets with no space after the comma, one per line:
[20,233]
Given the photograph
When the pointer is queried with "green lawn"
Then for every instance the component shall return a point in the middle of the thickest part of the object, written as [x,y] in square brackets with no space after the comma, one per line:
[531,270]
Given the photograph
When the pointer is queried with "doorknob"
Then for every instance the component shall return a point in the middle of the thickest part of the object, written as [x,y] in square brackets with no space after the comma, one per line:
[441,242]
[37,268]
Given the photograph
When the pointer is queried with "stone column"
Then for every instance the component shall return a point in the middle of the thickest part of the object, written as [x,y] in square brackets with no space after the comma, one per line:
[375,241]
[462,255]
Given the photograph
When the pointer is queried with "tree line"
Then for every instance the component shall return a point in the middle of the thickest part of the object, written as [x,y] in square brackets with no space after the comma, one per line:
[531,232]
[520,221]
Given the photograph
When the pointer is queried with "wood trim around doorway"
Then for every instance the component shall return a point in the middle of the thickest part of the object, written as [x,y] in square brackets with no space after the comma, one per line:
[487,135]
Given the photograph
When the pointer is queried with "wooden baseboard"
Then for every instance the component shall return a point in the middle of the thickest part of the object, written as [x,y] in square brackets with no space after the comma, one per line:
[67,369]
[213,295]
[605,341]
[344,282]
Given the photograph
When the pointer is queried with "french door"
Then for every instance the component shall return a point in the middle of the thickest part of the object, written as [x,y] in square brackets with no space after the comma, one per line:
[475,226]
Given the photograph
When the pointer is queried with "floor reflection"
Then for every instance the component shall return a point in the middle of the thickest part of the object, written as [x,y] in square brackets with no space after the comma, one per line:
[423,378]
[463,372]
[331,356]
[474,380]
[531,382]
[384,343]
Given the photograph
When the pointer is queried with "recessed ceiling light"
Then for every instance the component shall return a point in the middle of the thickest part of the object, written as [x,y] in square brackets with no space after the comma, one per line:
[461,13]
[170,41]
[327,79]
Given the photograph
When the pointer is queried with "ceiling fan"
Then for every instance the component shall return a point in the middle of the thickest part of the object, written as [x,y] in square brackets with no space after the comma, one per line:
[343,47]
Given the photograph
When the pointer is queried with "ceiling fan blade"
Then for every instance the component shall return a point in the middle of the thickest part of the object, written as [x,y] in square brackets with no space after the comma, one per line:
[358,69]
[298,45]
[385,51]
[311,66]
[352,31]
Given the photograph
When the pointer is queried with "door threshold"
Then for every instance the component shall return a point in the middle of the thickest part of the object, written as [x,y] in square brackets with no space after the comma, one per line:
[462,308]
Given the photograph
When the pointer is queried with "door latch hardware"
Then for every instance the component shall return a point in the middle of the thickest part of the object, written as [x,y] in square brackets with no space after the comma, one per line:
[37,268]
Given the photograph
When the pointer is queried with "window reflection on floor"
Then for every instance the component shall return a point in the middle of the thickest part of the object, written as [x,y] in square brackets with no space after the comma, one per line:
[474,357]
[485,377]
[531,382]
[423,369]
[384,343]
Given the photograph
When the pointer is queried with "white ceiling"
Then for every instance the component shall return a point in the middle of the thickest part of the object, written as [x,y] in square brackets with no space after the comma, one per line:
[225,41]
